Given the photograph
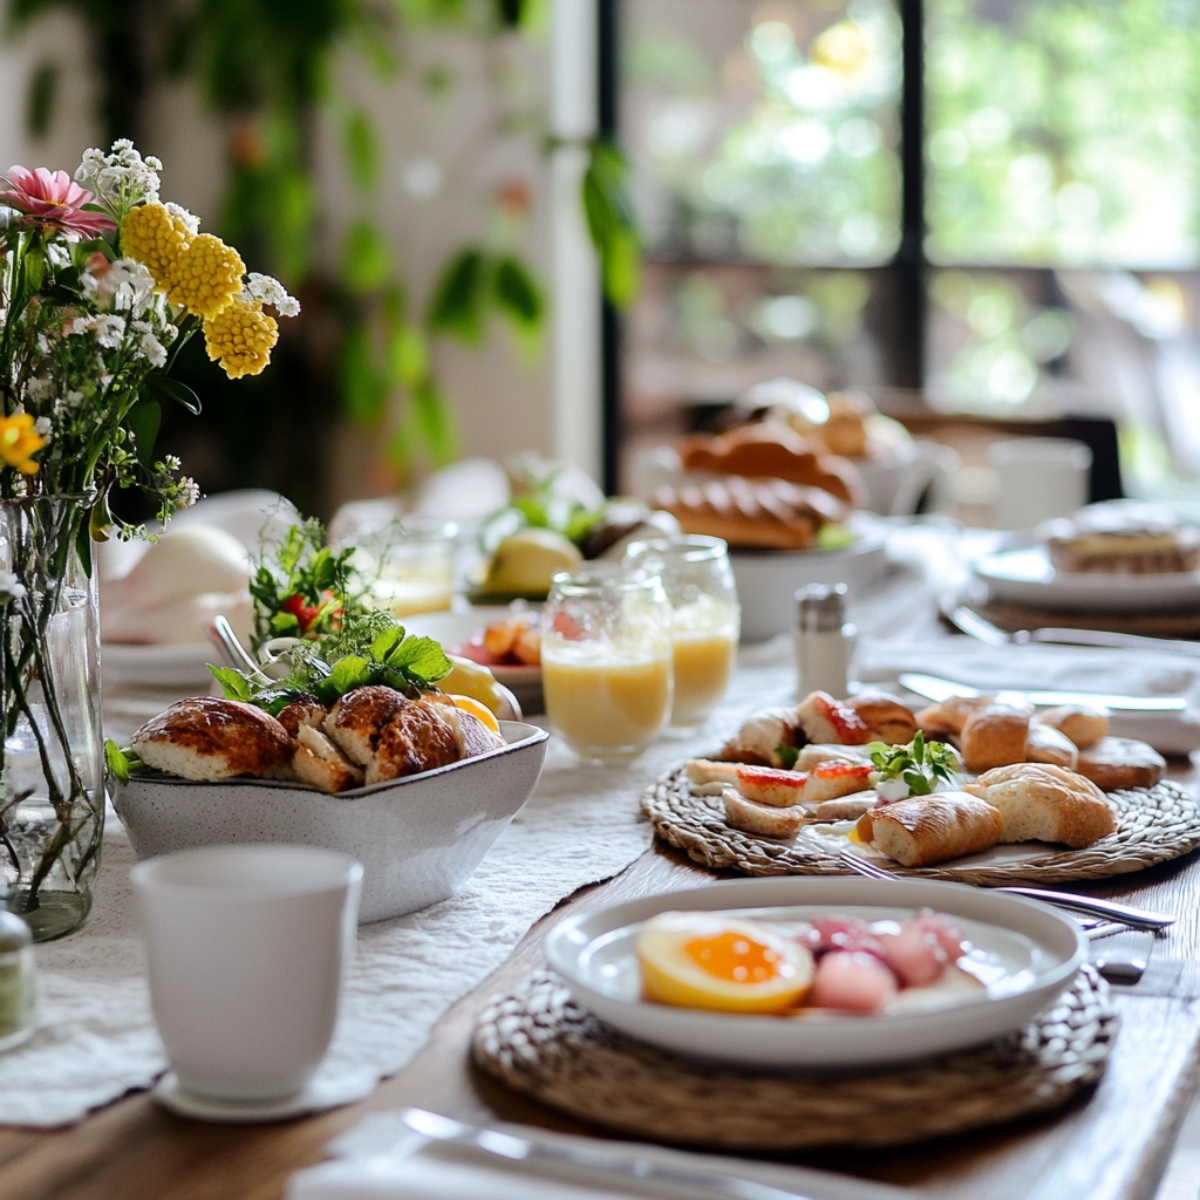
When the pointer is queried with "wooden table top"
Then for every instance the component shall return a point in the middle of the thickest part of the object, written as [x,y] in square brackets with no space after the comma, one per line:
[1112,1145]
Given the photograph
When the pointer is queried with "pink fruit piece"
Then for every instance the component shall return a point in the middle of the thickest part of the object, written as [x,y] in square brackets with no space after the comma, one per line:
[949,938]
[914,954]
[852,981]
[840,933]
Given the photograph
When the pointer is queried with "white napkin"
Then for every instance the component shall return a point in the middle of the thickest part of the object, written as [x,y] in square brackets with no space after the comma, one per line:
[1060,668]
[381,1159]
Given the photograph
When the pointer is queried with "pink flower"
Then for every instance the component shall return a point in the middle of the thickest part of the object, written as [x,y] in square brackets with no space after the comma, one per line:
[53,200]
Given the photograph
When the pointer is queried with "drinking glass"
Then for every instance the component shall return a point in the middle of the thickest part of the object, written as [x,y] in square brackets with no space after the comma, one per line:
[606,660]
[706,618]
[412,561]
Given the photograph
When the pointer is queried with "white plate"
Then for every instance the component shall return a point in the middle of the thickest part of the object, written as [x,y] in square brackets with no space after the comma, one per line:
[767,580]
[1042,949]
[183,665]
[319,1095]
[1024,575]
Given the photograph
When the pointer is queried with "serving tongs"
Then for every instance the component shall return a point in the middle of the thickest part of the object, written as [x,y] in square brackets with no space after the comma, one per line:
[236,655]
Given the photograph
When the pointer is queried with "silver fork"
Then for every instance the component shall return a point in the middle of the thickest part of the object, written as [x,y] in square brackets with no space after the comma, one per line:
[1107,910]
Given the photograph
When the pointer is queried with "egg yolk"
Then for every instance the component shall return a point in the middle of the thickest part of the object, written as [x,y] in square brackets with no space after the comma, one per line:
[737,958]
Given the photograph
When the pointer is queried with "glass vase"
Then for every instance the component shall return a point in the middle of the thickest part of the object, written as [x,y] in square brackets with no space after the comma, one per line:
[52,754]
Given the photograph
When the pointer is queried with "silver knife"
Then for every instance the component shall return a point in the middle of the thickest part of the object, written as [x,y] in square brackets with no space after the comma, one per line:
[514,1149]
[936,689]
[970,622]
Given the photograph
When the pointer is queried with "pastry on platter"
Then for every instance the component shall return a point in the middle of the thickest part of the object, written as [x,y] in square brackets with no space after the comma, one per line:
[765,819]
[886,719]
[1084,724]
[1043,803]
[765,515]
[995,735]
[1123,537]
[1115,763]
[1046,744]
[940,721]
[771,450]
[925,830]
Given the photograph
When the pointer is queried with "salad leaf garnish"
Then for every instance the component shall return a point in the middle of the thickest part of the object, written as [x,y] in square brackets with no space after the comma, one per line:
[921,765]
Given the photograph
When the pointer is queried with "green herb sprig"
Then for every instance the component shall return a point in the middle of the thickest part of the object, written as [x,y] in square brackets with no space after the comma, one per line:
[921,765]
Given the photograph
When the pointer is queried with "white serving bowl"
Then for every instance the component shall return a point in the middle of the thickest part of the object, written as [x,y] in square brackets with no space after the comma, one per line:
[1040,948]
[767,580]
[418,838]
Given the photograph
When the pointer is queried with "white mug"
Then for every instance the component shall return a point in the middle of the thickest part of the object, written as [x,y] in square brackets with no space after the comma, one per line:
[1038,478]
[247,948]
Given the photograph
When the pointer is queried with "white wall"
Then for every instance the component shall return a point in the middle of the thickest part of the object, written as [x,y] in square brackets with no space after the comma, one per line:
[503,405]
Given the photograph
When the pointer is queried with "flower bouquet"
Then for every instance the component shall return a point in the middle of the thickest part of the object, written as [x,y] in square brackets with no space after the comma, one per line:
[101,284]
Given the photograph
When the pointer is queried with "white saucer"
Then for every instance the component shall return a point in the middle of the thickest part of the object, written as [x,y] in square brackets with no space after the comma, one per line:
[316,1097]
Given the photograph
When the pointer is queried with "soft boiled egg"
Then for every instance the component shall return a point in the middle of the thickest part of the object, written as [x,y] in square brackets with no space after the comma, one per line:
[707,960]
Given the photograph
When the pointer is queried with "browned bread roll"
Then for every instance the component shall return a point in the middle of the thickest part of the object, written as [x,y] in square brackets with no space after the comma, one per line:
[210,738]
[390,736]
[1043,803]
[887,720]
[763,819]
[305,710]
[924,830]
[1083,724]
[320,764]
[944,720]
[769,450]
[1114,763]
[994,736]
[766,516]
[1047,745]
[760,737]
[845,432]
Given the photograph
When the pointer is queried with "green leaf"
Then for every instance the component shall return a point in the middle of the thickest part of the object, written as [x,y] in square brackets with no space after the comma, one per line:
[386,642]
[421,658]
[43,95]
[118,764]
[517,294]
[174,390]
[35,267]
[349,673]
[610,222]
[436,422]
[788,755]
[284,624]
[458,299]
[362,150]
[363,391]
[234,684]
[407,356]
[144,420]
[366,258]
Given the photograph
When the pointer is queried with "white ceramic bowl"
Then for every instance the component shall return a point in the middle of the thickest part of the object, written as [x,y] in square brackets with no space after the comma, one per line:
[1041,948]
[418,838]
[767,580]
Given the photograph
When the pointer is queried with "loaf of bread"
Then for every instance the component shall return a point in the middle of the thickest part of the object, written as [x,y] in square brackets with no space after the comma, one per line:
[766,515]
[206,737]
[994,736]
[924,830]
[1083,724]
[1114,763]
[940,721]
[1043,803]
[319,763]
[760,737]
[886,719]
[1047,745]
[771,450]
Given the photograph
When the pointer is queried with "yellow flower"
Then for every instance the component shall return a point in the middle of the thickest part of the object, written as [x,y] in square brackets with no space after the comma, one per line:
[151,235]
[207,276]
[18,441]
[240,337]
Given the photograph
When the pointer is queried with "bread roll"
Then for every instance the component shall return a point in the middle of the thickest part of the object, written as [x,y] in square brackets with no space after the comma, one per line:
[822,752]
[1115,763]
[830,780]
[887,720]
[206,737]
[847,808]
[924,830]
[763,819]
[994,736]
[944,720]
[760,737]
[1083,724]
[703,771]
[320,764]
[1043,803]
[1047,745]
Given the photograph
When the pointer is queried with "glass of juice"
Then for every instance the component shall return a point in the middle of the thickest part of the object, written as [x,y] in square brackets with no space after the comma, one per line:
[411,564]
[706,618]
[607,659]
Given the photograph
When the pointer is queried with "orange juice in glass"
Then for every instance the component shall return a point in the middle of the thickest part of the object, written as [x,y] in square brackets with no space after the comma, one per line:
[607,660]
[706,619]
[411,564]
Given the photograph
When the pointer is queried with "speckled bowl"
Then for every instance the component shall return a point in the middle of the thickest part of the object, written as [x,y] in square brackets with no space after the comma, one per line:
[417,838]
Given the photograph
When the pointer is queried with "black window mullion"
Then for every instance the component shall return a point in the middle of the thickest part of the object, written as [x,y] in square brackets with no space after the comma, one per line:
[608,106]
[908,347]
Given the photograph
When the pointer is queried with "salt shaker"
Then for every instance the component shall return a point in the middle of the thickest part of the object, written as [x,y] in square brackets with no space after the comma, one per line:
[17,989]
[823,640]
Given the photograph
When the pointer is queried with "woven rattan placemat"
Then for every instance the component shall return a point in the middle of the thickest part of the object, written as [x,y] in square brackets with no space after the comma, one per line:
[1156,824]
[539,1042]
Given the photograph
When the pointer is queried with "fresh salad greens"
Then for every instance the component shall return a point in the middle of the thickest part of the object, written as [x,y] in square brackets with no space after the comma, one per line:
[921,765]
[788,755]
[540,508]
